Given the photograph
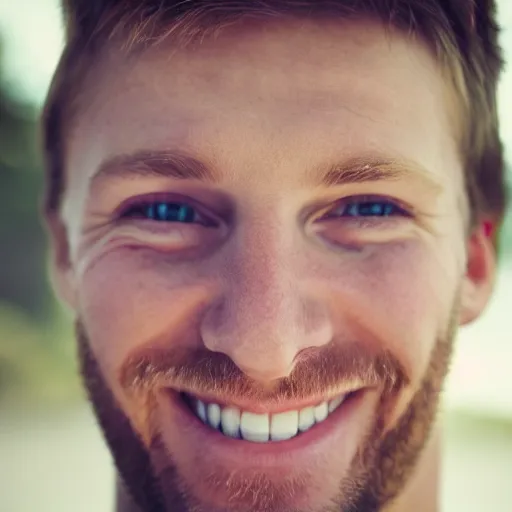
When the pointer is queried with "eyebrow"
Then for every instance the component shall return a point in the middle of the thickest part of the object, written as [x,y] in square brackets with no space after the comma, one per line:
[375,168]
[168,164]
[180,166]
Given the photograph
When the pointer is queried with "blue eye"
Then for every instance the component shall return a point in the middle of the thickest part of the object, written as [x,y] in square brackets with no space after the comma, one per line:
[367,208]
[164,212]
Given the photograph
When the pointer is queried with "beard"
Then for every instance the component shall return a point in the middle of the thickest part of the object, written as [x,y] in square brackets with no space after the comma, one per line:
[378,473]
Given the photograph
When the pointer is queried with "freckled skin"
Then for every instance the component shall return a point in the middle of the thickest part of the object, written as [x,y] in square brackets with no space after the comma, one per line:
[266,106]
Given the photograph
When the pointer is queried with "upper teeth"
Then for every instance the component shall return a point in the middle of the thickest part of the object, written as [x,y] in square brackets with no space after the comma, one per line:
[250,426]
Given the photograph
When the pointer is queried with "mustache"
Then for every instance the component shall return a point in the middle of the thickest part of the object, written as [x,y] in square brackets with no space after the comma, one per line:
[334,369]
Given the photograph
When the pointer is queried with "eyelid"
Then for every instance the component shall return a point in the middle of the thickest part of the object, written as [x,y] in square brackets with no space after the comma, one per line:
[406,209]
[165,197]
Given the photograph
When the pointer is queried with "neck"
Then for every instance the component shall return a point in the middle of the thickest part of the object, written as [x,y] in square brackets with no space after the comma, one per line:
[421,493]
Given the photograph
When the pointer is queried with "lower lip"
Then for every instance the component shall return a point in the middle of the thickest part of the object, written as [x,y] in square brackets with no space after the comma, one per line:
[341,426]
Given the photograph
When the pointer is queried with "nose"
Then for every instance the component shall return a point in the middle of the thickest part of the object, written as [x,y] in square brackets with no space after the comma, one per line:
[265,314]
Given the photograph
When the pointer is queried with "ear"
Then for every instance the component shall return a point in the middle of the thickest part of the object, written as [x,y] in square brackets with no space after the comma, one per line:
[480,274]
[61,269]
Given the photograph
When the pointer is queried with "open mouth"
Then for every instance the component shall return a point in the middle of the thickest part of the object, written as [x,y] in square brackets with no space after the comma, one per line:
[236,423]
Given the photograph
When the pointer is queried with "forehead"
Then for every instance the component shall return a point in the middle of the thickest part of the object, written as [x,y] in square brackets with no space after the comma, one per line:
[270,92]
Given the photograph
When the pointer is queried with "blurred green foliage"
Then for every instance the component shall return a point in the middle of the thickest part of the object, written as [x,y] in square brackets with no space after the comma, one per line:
[22,279]
[36,342]
[36,349]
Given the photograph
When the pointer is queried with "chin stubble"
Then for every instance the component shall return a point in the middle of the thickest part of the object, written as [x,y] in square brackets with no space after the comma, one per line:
[378,473]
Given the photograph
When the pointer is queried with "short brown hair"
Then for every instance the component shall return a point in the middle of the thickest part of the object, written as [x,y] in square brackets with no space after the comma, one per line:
[462,33]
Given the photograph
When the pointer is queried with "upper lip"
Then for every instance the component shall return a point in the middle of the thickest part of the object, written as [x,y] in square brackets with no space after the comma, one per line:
[265,406]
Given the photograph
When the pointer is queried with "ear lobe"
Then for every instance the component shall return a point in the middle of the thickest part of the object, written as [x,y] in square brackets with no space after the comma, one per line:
[480,274]
[61,269]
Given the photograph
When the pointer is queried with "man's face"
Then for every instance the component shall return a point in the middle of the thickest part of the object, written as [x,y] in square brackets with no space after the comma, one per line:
[260,228]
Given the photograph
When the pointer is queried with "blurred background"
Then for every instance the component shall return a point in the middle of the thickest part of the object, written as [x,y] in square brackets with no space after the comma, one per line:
[52,457]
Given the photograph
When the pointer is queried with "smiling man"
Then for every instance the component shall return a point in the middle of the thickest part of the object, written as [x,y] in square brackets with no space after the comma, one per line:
[270,218]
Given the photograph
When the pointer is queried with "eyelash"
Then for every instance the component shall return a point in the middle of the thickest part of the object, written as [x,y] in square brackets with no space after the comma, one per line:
[355,207]
[160,210]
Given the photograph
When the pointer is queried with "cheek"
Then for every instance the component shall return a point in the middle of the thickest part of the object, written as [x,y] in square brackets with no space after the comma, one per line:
[400,297]
[130,298]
